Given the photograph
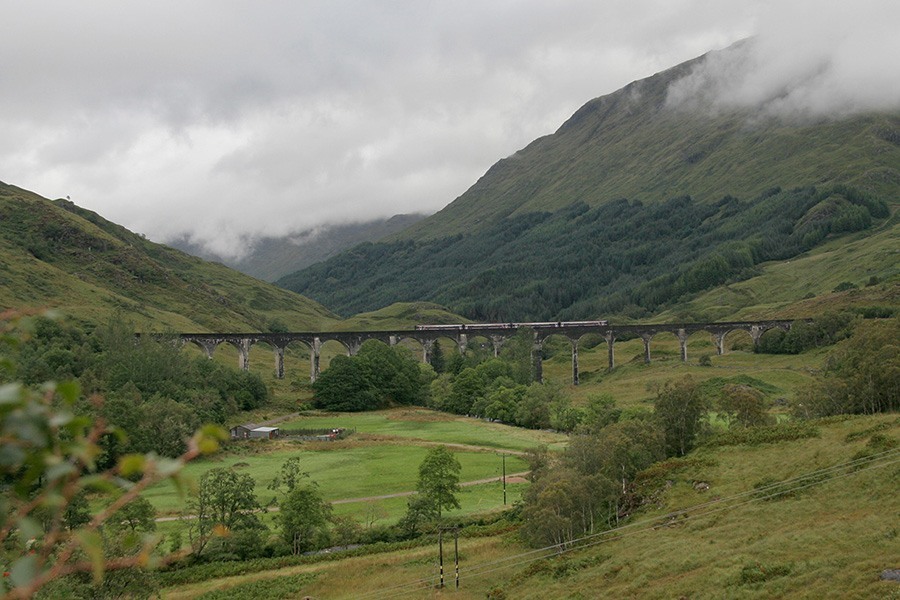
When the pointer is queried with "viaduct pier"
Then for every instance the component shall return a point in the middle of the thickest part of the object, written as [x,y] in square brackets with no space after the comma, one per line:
[463,335]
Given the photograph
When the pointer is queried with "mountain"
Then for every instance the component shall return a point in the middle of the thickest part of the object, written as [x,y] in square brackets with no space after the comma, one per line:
[54,254]
[631,207]
[274,257]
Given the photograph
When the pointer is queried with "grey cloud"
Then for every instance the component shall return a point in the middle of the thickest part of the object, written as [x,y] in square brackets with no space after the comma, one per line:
[810,60]
[225,121]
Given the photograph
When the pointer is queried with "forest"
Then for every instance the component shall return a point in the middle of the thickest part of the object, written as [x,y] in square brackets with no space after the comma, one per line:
[623,257]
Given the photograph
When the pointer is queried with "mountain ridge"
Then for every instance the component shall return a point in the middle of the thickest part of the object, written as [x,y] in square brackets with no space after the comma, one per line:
[629,208]
[707,156]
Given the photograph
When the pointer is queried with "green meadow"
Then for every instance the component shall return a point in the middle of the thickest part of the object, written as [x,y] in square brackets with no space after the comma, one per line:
[431,426]
[381,458]
[705,535]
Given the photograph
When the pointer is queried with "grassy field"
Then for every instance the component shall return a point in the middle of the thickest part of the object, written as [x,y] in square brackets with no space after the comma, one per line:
[344,470]
[381,458]
[830,539]
[432,426]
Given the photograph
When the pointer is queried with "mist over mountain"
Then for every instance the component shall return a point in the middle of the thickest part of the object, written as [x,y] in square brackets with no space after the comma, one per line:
[273,257]
[639,199]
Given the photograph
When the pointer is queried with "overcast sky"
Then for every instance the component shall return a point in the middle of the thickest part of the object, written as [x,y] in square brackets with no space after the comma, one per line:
[225,120]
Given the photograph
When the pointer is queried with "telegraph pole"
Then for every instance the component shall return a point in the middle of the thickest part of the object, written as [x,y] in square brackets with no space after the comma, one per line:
[504,479]
[441,555]
[456,553]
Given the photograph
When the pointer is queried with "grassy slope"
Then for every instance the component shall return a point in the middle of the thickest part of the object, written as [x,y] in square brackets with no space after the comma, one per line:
[628,144]
[400,315]
[56,255]
[828,541]
[781,290]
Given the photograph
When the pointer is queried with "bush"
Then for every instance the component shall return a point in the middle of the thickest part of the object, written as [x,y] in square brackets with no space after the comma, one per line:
[844,286]
[824,330]
[745,406]
[263,589]
[377,377]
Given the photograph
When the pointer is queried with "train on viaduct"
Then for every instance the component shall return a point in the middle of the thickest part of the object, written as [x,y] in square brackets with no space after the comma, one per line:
[496,335]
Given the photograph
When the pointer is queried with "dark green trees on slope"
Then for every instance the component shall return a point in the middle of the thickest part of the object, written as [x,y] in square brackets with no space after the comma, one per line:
[151,390]
[578,262]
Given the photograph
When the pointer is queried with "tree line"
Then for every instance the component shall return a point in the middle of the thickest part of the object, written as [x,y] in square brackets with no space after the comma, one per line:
[155,394]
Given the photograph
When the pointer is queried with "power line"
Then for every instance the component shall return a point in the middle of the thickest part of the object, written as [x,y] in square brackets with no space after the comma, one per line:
[765,492]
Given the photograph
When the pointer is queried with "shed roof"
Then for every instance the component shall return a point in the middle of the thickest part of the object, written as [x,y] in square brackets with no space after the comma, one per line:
[265,429]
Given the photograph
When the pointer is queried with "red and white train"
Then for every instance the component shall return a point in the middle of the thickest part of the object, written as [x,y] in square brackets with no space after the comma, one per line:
[538,325]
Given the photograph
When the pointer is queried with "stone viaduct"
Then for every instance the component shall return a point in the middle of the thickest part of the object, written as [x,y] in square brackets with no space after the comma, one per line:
[352,340]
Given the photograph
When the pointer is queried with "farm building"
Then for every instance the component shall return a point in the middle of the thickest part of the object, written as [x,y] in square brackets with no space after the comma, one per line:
[265,432]
[242,432]
[254,431]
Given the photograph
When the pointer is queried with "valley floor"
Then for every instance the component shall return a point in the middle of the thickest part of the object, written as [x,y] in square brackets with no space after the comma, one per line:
[717,530]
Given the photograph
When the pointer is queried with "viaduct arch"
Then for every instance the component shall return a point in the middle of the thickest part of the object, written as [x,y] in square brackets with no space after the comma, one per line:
[352,340]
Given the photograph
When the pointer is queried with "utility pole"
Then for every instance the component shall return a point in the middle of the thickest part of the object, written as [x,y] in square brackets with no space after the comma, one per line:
[456,553]
[441,555]
[504,479]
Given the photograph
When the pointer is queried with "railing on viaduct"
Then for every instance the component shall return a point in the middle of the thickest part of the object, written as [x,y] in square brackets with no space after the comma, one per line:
[352,340]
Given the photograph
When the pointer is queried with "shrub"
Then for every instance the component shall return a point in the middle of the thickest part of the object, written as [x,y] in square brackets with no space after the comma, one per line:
[844,286]
[744,405]
[753,436]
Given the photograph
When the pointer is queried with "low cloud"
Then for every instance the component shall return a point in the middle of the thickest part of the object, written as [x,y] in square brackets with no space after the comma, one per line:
[225,122]
[810,59]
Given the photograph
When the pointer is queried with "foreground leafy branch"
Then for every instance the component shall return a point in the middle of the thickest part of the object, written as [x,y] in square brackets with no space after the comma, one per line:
[49,458]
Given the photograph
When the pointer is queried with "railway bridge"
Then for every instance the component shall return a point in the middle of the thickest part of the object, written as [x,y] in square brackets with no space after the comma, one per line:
[496,333]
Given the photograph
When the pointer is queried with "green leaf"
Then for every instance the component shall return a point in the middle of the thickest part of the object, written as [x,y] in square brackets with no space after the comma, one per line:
[92,544]
[29,529]
[69,391]
[98,483]
[208,438]
[167,467]
[23,570]
[10,393]
[132,464]
[58,471]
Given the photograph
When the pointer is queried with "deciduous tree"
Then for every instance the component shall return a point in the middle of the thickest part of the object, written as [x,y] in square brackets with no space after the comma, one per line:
[439,479]
[680,409]
[225,502]
[303,518]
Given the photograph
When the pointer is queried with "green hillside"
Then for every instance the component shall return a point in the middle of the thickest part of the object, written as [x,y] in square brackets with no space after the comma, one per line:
[629,144]
[633,208]
[625,259]
[54,254]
